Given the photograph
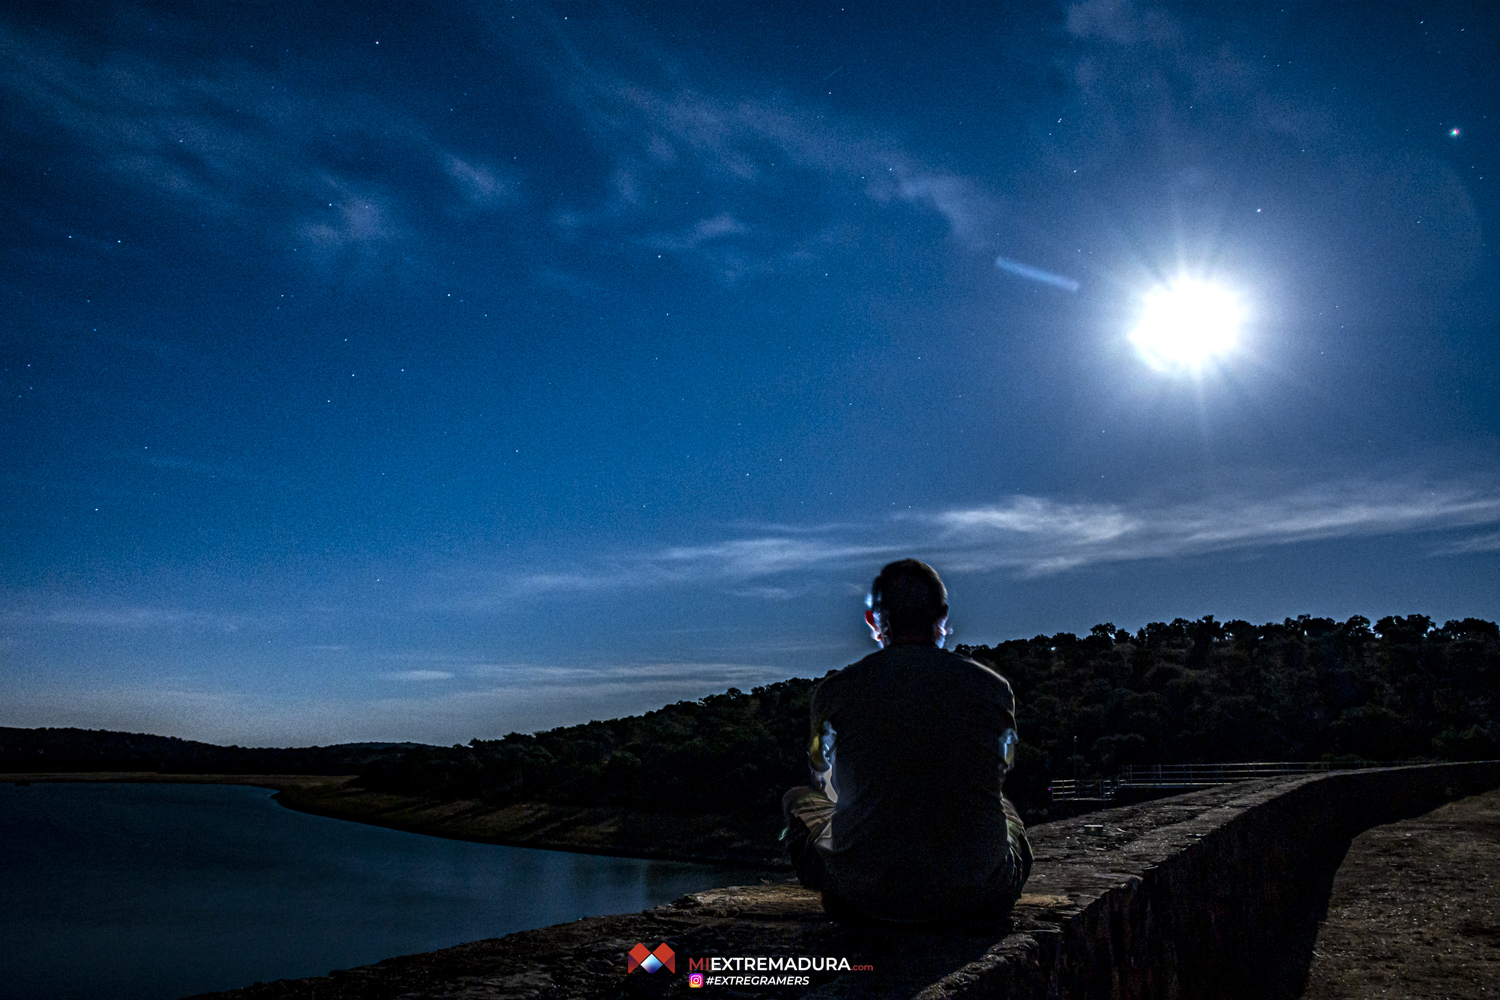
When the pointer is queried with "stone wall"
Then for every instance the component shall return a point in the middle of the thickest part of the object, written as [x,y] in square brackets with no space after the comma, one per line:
[1213,894]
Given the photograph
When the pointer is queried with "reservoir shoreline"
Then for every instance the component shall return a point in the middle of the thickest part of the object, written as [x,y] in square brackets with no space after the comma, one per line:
[140,889]
[711,839]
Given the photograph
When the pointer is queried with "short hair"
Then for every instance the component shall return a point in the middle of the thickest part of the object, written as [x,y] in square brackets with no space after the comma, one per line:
[908,596]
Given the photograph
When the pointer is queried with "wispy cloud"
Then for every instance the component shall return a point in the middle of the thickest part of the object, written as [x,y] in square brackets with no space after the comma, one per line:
[601,676]
[256,149]
[1475,543]
[130,618]
[772,177]
[700,232]
[1037,536]
[238,144]
[193,467]
[419,675]
[482,186]
[1137,68]
[749,558]
[491,701]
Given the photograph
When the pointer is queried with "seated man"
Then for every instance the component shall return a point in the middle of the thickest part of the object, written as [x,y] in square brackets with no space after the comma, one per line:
[914,827]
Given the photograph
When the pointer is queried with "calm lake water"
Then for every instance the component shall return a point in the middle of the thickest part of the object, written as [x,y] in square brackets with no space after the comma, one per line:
[158,891]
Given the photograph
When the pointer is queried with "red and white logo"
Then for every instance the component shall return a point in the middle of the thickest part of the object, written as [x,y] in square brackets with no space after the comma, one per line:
[641,957]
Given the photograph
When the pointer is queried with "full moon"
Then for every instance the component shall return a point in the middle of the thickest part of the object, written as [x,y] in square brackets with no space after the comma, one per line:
[1186,324]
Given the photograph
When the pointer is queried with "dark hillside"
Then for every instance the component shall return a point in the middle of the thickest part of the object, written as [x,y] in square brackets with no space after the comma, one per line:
[1208,691]
[727,753]
[1180,692]
[77,750]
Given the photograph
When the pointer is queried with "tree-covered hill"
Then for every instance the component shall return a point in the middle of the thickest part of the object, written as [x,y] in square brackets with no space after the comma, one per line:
[1200,691]
[726,753]
[1180,692]
[74,750]
[1207,691]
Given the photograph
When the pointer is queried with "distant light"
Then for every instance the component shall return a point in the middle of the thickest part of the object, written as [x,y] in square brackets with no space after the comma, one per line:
[1453,133]
[1186,324]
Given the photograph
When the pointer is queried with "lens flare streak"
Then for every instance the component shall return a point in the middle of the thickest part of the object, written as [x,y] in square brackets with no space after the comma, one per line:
[1036,274]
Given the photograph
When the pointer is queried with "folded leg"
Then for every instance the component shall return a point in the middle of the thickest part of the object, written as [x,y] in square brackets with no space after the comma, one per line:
[808,813]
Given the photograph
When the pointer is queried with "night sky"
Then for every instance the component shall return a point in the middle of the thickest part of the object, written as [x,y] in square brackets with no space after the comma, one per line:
[432,371]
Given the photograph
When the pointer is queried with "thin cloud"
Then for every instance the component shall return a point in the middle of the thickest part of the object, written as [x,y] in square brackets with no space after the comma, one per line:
[1137,68]
[701,232]
[533,675]
[771,593]
[482,186]
[745,559]
[735,561]
[126,618]
[1037,536]
[192,467]
[236,143]
[1040,537]
[748,156]
[419,675]
[531,698]
[1475,543]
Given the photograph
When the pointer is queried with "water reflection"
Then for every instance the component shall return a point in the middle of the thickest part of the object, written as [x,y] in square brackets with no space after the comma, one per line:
[157,891]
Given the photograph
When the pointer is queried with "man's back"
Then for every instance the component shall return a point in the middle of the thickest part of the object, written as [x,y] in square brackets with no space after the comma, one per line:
[919,831]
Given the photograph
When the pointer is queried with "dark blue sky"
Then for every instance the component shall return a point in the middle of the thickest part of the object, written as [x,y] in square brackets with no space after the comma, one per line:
[403,371]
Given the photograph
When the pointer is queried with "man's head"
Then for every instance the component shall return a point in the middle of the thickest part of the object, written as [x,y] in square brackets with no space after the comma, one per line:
[908,605]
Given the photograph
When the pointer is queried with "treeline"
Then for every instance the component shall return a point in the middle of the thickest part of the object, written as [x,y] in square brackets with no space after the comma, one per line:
[1207,691]
[1180,692]
[728,753]
[74,750]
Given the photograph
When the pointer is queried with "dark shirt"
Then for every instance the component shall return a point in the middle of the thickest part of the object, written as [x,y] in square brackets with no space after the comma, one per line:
[919,832]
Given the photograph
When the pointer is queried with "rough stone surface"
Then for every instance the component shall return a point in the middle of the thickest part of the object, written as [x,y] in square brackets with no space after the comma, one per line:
[1415,910]
[1213,894]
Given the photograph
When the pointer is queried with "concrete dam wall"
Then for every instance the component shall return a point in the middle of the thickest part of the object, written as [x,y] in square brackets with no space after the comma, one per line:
[1213,894]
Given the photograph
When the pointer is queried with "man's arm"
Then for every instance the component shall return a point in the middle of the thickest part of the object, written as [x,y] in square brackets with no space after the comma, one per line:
[820,753]
[1008,741]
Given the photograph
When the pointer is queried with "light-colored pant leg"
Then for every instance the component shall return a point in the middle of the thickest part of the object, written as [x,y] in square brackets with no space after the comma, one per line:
[1020,850]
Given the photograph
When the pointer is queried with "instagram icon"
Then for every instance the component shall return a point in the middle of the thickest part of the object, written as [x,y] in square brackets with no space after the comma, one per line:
[695,980]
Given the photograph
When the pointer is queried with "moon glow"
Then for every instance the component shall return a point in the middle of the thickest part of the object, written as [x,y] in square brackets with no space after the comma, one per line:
[1186,324]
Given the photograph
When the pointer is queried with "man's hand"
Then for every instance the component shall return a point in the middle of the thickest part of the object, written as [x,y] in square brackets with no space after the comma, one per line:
[820,760]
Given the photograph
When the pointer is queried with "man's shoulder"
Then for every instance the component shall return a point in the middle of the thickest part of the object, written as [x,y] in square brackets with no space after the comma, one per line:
[984,668]
[835,679]
[981,673]
[931,659]
[924,680]
[936,656]
[958,678]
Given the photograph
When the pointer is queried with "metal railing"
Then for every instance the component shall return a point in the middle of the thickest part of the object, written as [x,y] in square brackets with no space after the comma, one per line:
[1191,776]
[1085,788]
